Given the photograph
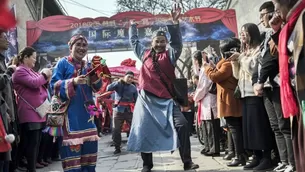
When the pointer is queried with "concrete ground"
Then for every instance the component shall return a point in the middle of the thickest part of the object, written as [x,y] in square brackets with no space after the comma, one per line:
[127,162]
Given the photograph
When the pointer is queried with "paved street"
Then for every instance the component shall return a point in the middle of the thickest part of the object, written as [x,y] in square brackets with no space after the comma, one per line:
[127,162]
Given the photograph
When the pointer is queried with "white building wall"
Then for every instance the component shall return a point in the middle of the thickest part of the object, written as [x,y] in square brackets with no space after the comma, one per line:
[247,11]
[23,14]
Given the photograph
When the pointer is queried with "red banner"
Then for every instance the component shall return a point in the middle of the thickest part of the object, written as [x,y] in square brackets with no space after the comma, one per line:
[121,20]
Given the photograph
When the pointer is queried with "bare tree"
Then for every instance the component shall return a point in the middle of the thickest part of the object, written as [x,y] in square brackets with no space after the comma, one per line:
[164,6]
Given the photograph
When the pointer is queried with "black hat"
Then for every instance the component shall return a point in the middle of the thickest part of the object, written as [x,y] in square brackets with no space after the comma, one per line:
[129,73]
[159,33]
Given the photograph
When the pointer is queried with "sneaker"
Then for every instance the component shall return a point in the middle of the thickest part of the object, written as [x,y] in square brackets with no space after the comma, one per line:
[289,168]
[281,167]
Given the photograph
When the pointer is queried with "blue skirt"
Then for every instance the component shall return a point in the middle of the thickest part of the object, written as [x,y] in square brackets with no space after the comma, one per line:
[152,128]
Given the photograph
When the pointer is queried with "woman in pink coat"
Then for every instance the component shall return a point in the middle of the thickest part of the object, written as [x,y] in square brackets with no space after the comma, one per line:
[207,109]
[31,93]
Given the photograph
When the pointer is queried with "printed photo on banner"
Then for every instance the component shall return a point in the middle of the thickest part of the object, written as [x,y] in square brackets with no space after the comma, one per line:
[11,35]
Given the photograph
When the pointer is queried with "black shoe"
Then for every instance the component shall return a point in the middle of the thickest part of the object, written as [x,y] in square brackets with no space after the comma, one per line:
[212,154]
[44,163]
[22,169]
[100,134]
[239,160]
[254,163]
[229,156]
[190,166]
[117,151]
[146,169]
[204,151]
[38,165]
[56,159]
[49,161]
[264,165]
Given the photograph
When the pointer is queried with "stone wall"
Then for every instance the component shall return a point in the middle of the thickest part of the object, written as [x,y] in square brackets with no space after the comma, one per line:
[23,14]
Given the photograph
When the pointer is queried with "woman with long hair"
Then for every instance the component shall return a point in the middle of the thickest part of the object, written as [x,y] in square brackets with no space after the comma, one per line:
[256,127]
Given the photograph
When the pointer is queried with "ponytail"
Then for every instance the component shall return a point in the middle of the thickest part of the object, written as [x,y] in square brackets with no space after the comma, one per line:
[24,53]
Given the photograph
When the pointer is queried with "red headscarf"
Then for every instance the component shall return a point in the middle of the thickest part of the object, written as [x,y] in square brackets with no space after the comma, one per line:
[289,103]
[76,38]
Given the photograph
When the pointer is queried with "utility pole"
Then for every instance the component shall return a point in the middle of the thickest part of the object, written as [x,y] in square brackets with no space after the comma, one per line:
[41,9]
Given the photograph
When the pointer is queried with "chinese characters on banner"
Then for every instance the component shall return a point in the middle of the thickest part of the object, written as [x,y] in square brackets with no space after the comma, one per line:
[51,34]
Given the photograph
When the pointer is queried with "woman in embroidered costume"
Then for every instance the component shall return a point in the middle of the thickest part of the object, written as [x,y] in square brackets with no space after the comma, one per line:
[290,41]
[156,115]
[70,83]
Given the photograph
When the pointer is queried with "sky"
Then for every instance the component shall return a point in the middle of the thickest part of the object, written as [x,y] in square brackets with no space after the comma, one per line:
[105,8]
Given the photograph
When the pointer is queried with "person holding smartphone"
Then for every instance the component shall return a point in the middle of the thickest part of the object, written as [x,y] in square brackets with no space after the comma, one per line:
[288,38]
[266,84]
[227,105]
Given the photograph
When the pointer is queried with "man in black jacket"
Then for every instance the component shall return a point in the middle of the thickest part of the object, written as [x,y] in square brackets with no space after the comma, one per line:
[266,84]
[7,105]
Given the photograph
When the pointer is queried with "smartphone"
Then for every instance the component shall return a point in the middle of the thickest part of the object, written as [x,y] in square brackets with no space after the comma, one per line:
[228,54]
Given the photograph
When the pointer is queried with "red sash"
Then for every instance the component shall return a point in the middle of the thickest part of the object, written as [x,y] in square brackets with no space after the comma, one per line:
[131,105]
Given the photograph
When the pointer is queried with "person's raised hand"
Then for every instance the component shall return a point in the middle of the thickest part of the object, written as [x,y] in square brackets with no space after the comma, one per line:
[176,13]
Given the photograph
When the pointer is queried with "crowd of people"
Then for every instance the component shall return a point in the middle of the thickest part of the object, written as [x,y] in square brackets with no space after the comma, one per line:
[259,91]
[254,91]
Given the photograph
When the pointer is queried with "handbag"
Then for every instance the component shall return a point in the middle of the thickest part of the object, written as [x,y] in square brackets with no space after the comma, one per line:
[42,109]
[237,93]
[213,88]
[179,94]
[56,114]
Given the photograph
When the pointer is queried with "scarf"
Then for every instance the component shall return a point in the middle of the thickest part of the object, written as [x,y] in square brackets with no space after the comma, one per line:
[288,100]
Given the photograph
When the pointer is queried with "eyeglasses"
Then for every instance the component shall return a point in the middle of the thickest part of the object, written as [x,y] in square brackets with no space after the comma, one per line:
[263,14]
